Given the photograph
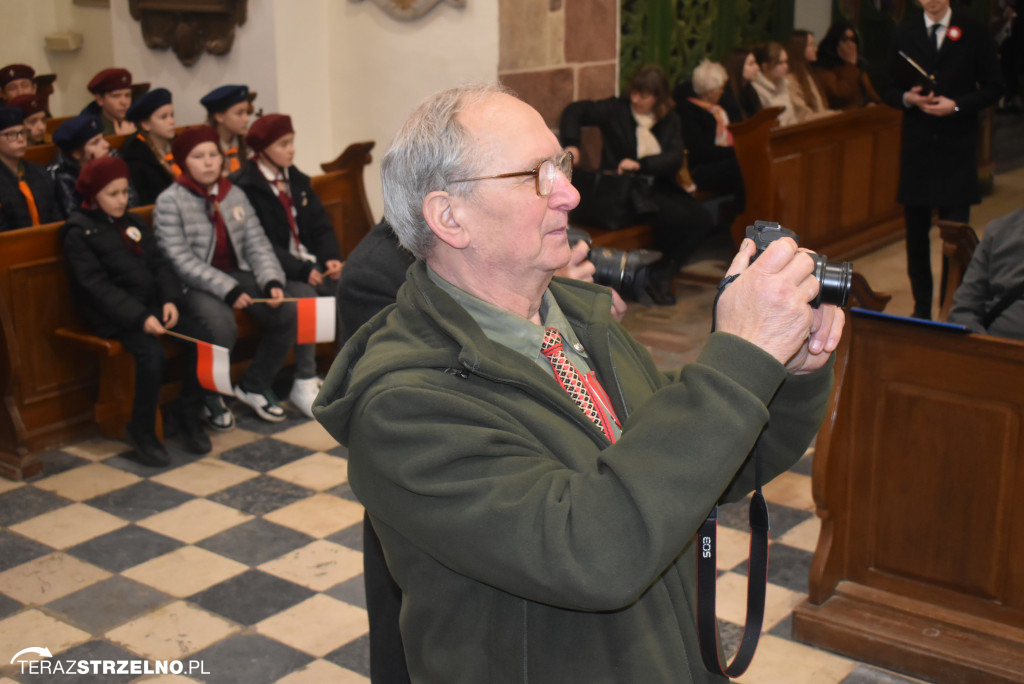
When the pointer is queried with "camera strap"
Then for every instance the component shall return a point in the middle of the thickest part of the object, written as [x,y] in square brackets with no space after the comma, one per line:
[757,572]
[757,584]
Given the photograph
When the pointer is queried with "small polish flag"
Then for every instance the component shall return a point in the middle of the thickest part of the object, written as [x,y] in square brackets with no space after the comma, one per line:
[316,320]
[213,367]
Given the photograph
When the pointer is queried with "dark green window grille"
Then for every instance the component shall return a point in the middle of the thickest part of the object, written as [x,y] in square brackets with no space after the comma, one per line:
[677,34]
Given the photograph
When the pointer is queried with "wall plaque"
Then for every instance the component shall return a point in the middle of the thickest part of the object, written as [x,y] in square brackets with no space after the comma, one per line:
[189,27]
[411,9]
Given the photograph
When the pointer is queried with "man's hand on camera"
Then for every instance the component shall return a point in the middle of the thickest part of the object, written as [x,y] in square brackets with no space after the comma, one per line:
[768,305]
[618,307]
[578,268]
[581,268]
[826,331]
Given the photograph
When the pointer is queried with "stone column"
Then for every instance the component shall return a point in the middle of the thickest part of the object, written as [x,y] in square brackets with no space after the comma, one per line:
[552,52]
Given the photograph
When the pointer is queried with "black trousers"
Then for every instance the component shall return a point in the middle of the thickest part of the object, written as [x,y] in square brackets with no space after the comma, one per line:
[383,604]
[919,255]
[722,177]
[148,352]
[679,226]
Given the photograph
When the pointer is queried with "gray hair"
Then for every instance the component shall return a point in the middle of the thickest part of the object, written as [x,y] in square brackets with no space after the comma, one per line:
[708,76]
[430,150]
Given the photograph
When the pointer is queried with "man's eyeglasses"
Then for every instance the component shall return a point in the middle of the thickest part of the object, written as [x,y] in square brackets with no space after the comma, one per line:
[14,135]
[544,174]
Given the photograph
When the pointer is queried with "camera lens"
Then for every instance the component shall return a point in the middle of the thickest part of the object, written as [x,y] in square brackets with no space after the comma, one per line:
[835,279]
[627,272]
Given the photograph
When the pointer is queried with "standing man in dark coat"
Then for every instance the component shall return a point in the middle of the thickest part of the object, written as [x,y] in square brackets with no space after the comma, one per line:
[939,163]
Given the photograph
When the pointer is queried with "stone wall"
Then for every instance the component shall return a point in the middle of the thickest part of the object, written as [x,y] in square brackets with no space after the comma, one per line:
[552,52]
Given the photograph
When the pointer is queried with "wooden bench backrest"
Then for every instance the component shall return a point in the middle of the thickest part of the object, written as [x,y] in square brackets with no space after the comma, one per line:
[343,193]
[832,180]
[48,383]
[752,142]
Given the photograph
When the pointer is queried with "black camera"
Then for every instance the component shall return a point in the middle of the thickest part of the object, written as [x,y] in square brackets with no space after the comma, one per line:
[626,272]
[834,277]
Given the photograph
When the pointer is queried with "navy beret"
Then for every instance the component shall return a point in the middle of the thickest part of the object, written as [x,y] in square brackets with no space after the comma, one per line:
[11,116]
[143,108]
[77,131]
[219,99]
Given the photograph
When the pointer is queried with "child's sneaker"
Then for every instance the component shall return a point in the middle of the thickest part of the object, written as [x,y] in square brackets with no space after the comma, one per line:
[263,403]
[303,393]
[217,413]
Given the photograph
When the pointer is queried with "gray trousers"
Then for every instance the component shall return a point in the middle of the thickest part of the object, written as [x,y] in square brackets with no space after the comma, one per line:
[279,329]
[305,354]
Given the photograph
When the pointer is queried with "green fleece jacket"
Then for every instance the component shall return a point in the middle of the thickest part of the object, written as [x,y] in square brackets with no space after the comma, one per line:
[528,548]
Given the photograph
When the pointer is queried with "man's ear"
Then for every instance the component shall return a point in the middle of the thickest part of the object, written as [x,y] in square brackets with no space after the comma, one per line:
[99,99]
[440,217]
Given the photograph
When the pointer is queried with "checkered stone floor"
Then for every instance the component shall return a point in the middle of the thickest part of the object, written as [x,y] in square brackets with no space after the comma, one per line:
[249,561]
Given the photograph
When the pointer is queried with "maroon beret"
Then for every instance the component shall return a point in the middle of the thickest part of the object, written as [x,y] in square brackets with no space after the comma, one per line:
[109,80]
[30,104]
[12,72]
[98,174]
[188,139]
[267,129]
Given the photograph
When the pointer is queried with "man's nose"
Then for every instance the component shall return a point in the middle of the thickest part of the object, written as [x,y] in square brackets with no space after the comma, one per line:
[565,196]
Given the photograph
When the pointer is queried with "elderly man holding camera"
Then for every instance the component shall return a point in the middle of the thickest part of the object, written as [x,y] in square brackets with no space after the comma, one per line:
[535,481]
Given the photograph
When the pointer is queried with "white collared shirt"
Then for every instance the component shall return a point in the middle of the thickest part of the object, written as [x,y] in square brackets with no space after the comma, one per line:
[273,175]
[943,22]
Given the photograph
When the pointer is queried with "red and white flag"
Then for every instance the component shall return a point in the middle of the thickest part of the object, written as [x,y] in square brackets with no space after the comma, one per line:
[316,320]
[213,367]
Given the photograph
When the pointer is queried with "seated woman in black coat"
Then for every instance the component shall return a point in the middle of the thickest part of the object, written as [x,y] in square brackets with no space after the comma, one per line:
[642,134]
[841,71]
[299,229]
[711,158]
[125,288]
[148,152]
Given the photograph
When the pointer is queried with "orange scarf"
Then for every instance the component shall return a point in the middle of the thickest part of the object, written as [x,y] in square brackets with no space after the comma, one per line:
[30,199]
[166,159]
[234,163]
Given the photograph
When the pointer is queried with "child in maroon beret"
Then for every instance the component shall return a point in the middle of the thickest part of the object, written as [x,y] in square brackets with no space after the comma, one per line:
[112,93]
[298,227]
[36,114]
[125,288]
[214,239]
[17,79]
